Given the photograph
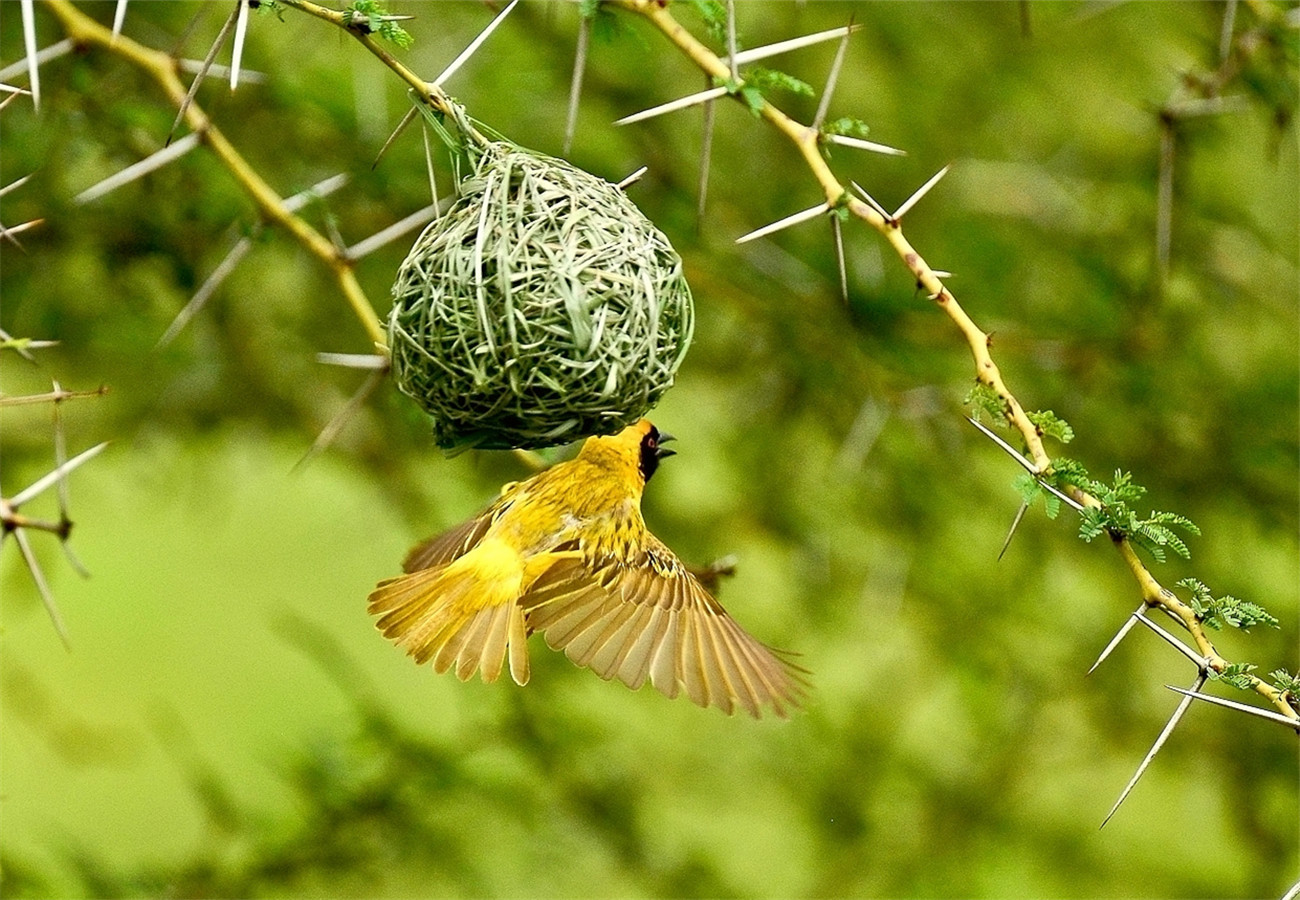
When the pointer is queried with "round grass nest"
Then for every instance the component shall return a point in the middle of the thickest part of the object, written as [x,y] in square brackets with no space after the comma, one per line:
[542,307]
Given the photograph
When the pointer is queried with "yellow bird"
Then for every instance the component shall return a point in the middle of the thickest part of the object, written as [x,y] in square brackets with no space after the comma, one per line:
[568,554]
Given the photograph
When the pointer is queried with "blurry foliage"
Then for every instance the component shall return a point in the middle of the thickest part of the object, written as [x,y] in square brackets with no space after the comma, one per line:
[951,747]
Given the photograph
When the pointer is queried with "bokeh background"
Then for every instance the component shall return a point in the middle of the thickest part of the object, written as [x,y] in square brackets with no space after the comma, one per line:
[228,722]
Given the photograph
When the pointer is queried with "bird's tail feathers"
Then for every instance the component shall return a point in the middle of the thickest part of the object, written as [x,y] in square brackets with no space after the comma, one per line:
[463,616]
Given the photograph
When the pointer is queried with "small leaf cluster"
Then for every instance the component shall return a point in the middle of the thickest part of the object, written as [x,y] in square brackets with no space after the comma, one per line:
[1213,611]
[1030,490]
[1287,683]
[1116,517]
[1238,675]
[368,17]
[847,126]
[983,399]
[712,12]
[750,88]
[605,25]
[1049,424]
[269,7]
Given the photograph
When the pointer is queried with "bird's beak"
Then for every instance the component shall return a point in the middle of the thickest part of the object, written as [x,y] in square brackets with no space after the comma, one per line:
[661,451]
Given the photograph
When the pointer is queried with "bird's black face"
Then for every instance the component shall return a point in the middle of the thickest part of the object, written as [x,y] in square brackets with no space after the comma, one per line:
[652,451]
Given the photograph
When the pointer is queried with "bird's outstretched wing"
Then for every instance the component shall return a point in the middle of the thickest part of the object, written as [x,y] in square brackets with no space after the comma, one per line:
[450,545]
[454,543]
[648,617]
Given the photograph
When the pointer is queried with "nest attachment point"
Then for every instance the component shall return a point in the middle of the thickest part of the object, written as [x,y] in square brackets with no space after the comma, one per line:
[542,307]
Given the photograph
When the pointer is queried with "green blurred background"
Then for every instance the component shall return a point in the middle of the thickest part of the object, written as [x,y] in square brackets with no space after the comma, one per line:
[228,722]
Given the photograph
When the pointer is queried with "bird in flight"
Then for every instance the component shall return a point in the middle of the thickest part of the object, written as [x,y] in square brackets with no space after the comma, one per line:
[567,553]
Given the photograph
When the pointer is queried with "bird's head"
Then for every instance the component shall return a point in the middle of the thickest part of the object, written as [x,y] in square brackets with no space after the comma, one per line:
[639,444]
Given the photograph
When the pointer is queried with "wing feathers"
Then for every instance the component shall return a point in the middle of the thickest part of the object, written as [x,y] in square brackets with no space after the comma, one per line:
[463,616]
[641,648]
[448,546]
[617,639]
[658,623]
[468,604]
[663,664]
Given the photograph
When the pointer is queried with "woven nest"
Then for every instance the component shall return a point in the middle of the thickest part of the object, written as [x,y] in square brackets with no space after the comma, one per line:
[543,306]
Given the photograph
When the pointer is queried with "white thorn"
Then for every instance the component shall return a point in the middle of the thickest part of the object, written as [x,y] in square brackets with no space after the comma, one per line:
[19,229]
[757,53]
[392,232]
[1119,636]
[824,106]
[633,178]
[353,360]
[216,70]
[54,51]
[731,40]
[674,105]
[838,231]
[795,219]
[39,485]
[206,290]
[1029,467]
[237,53]
[428,163]
[1007,448]
[143,167]
[871,201]
[1243,707]
[1209,106]
[575,85]
[860,144]
[920,192]
[29,38]
[401,126]
[316,191]
[14,185]
[474,45]
[119,16]
[1173,641]
[42,586]
[1155,748]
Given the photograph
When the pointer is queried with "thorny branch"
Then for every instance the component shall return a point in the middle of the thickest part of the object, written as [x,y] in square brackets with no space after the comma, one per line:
[806,139]
[164,68]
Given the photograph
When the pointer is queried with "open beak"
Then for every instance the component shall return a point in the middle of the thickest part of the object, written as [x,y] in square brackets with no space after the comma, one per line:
[661,451]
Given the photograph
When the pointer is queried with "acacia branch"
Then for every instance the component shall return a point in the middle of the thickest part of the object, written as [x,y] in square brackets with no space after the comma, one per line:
[164,69]
[427,92]
[806,140]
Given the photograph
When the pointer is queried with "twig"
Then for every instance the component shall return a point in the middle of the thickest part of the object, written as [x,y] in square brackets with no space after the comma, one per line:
[202,72]
[58,395]
[84,31]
